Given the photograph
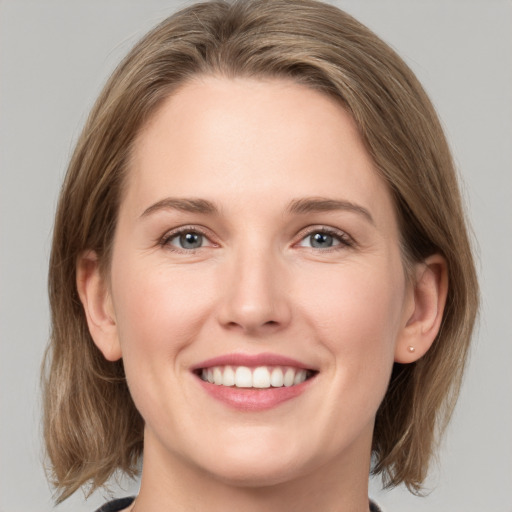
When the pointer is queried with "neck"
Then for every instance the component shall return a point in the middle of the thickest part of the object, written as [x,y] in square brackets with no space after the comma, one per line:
[170,483]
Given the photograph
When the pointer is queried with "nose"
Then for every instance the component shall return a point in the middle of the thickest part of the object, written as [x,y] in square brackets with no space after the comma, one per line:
[254,298]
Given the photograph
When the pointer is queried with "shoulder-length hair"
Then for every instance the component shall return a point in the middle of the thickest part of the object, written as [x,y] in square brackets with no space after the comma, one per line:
[91,425]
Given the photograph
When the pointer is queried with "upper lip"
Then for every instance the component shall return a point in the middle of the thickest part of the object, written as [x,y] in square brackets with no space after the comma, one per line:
[251,360]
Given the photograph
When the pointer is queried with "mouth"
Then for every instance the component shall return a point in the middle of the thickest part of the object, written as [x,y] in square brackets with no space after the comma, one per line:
[260,377]
[254,382]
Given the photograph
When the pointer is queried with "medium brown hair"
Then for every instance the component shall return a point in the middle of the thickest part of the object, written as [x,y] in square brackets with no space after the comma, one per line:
[91,425]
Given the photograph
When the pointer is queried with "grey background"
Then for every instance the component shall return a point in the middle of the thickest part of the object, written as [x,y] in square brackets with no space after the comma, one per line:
[54,57]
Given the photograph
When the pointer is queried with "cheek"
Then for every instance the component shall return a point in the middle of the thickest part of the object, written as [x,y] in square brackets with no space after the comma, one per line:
[157,309]
[159,314]
[358,316]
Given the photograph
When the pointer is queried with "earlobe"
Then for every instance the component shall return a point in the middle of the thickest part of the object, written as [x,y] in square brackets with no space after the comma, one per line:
[97,303]
[421,327]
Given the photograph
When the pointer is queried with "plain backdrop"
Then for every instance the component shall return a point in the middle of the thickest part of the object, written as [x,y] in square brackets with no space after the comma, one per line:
[54,57]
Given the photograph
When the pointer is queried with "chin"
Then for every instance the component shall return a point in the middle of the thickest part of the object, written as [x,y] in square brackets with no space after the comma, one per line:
[260,462]
[256,475]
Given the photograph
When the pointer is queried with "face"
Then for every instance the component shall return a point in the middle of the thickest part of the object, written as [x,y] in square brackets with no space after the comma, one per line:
[258,249]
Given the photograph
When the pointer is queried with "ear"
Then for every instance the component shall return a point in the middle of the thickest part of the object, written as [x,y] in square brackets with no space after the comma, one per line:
[425,314]
[96,300]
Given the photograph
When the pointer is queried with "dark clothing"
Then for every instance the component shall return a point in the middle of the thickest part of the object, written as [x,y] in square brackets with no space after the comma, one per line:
[117,505]
[374,507]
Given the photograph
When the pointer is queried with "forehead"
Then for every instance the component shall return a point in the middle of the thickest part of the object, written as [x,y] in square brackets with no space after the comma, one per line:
[238,139]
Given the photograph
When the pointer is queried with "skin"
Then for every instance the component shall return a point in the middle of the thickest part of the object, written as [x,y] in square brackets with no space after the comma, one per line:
[252,147]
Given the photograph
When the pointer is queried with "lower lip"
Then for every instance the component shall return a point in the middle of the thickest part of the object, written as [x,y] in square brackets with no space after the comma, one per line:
[251,399]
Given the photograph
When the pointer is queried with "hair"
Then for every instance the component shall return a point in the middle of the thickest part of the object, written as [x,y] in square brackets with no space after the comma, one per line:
[91,426]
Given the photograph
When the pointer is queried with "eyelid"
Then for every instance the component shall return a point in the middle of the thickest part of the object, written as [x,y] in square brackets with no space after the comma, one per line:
[187,228]
[342,236]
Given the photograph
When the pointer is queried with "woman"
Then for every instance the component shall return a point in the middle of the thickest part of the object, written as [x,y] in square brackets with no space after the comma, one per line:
[261,264]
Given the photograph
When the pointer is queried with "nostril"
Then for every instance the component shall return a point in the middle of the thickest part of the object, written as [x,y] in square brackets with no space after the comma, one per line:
[249,326]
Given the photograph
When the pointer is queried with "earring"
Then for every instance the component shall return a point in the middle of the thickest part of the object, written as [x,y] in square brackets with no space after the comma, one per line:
[411,349]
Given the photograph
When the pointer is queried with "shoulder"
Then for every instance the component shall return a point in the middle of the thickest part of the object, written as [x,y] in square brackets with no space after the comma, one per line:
[120,504]
[116,505]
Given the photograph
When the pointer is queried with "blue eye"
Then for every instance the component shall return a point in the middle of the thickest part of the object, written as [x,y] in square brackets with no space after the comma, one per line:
[190,240]
[322,240]
[325,239]
[186,240]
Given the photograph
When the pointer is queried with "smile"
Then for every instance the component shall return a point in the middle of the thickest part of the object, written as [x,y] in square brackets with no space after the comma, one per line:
[260,377]
[254,382]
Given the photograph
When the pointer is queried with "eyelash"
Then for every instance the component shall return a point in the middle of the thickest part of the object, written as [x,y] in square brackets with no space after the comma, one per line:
[183,230]
[345,241]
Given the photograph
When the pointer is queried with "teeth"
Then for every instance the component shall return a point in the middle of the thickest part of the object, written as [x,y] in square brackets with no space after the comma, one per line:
[217,376]
[289,377]
[243,377]
[260,377]
[300,376]
[228,377]
[276,378]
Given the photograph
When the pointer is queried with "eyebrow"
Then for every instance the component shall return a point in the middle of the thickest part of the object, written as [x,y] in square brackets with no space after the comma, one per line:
[190,205]
[323,204]
[297,206]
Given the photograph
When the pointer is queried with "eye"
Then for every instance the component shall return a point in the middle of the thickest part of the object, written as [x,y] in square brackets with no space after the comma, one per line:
[186,240]
[325,239]
[321,240]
